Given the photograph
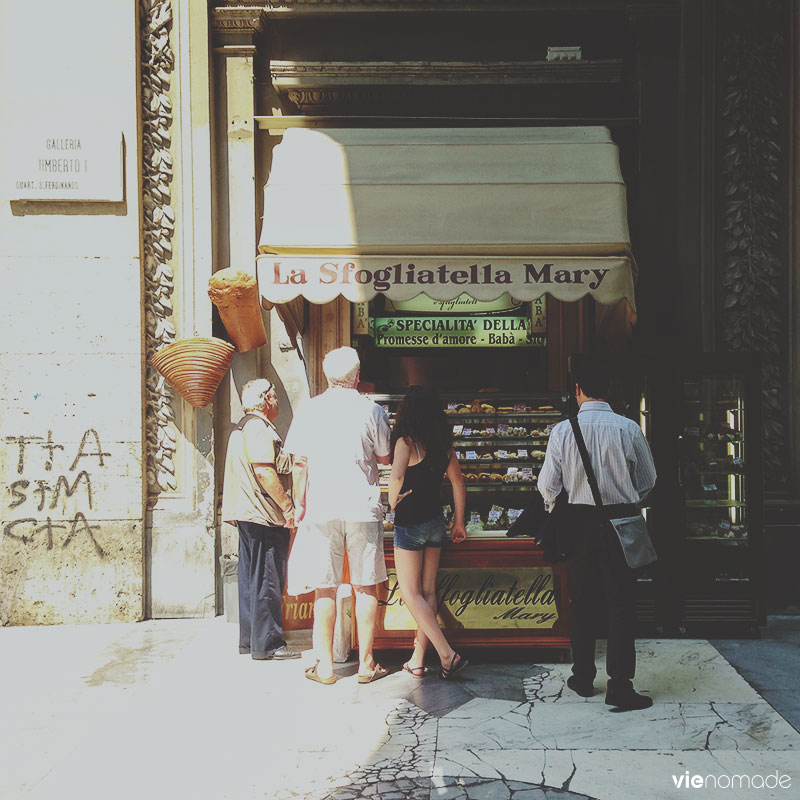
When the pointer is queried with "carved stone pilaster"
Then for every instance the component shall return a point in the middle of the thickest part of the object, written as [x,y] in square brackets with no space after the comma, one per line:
[157,65]
[752,267]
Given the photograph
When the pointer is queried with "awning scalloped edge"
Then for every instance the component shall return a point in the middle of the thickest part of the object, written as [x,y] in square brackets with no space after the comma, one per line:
[322,278]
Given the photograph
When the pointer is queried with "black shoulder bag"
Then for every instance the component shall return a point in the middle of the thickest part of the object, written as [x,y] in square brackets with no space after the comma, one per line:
[552,532]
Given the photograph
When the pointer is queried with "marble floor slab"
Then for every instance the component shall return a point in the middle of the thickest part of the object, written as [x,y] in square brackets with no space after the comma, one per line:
[625,775]
[159,713]
[553,744]
[665,726]
[669,670]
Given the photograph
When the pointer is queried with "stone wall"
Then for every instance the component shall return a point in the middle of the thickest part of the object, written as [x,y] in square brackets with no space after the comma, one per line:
[71,490]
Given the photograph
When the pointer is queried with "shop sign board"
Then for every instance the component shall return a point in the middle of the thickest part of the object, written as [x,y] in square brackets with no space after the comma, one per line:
[481,599]
[456,331]
[65,162]
[298,612]
[358,278]
[360,319]
[463,304]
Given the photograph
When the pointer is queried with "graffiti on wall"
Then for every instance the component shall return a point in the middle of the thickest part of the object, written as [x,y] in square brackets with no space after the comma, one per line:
[47,476]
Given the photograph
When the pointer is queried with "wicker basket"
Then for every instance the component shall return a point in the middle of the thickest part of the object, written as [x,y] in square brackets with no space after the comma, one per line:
[195,367]
[235,294]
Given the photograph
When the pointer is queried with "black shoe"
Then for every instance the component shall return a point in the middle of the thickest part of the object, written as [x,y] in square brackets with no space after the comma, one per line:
[583,688]
[627,700]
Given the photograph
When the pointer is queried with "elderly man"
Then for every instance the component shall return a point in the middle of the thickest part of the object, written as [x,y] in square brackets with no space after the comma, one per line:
[256,499]
[623,466]
[338,439]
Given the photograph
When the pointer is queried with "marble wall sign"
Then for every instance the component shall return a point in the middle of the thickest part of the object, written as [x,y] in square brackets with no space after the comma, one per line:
[65,162]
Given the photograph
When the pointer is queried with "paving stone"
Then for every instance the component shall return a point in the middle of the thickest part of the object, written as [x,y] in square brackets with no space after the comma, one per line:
[449,791]
[529,794]
[493,790]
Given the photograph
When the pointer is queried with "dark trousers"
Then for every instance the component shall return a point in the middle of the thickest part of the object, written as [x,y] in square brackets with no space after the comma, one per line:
[596,564]
[262,575]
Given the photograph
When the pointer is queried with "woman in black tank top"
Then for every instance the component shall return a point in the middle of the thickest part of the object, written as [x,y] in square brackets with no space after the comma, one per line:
[422,453]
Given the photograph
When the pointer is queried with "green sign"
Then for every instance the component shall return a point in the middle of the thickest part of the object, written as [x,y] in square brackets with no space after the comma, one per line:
[457,331]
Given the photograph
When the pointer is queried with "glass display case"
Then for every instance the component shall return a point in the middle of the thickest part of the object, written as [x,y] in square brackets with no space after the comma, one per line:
[500,442]
[713,462]
[720,493]
[493,590]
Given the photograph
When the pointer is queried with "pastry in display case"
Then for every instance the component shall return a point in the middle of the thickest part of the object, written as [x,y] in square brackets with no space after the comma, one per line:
[713,469]
[500,441]
[719,480]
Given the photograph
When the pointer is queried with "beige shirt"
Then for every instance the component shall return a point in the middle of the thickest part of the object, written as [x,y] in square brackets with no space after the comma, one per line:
[253,441]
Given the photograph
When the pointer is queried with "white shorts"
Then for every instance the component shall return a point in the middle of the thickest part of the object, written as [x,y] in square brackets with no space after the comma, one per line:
[317,555]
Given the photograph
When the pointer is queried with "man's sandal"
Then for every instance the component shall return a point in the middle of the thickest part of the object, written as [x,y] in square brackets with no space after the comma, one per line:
[378,672]
[457,663]
[311,674]
[418,673]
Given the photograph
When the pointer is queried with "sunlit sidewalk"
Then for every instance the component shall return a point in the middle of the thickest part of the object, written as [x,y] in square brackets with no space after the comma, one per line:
[169,709]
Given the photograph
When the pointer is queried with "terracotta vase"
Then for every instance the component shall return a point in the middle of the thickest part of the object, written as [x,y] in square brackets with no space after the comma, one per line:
[235,294]
[195,367]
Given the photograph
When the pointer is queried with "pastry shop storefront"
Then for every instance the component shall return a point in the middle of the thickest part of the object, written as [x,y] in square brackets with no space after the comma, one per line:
[476,261]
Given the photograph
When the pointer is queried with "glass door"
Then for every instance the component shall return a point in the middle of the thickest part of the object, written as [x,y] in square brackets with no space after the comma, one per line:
[719,571]
[713,468]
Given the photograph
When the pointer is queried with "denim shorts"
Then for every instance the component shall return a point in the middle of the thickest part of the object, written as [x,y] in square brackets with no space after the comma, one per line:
[419,535]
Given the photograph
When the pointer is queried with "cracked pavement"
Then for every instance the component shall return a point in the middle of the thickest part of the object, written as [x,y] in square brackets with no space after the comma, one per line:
[170,709]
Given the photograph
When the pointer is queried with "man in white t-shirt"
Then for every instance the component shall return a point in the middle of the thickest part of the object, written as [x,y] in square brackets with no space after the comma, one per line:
[338,438]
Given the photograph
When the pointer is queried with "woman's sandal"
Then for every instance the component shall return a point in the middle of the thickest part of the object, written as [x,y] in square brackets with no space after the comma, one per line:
[311,674]
[457,663]
[378,672]
[418,673]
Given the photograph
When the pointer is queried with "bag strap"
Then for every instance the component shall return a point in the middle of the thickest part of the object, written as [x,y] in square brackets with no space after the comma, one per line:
[245,419]
[278,443]
[587,462]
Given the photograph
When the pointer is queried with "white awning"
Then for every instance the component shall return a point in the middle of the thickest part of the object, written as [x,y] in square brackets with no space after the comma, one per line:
[486,211]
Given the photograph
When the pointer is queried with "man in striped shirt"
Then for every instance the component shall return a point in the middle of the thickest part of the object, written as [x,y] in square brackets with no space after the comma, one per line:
[623,466]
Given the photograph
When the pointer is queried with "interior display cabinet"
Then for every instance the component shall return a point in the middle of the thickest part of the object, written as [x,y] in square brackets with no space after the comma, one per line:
[493,590]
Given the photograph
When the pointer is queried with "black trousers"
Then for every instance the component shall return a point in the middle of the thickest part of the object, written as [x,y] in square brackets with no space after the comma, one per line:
[596,563]
[263,552]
